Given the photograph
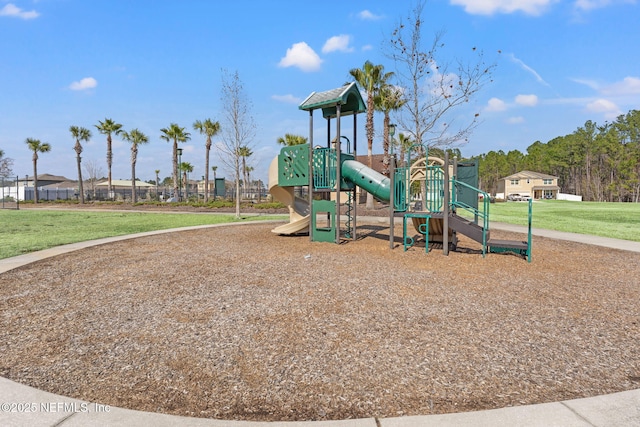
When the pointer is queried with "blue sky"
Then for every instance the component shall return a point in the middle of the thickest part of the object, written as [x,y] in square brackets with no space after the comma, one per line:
[148,63]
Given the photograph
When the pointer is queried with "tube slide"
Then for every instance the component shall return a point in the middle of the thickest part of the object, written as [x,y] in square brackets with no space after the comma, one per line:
[368,179]
[299,215]
[299,212]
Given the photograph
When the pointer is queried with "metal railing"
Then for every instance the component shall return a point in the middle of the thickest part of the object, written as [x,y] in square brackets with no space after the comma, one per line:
[324,168]
[434,182]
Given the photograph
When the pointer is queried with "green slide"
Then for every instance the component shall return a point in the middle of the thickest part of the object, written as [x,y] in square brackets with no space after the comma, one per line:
[368,179]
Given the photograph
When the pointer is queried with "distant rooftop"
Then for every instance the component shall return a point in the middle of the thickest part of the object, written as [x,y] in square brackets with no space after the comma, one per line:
[45,177]
[124,183]
[530,175]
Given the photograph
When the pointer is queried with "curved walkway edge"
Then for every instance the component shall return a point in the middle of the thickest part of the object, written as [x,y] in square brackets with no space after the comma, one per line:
[607,242]
[21,405]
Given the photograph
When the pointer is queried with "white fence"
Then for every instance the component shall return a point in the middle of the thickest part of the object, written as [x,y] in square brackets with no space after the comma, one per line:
[13,192]
[26,193]
[571,197]
[47,193]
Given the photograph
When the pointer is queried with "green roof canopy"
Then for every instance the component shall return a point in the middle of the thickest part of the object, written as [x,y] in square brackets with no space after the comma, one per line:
[347,96]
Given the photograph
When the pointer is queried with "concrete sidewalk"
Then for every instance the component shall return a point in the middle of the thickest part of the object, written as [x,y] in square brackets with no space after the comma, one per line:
[21,405]
[607,242]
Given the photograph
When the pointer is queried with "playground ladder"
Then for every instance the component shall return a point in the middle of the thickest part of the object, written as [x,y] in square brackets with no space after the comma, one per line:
[350,232]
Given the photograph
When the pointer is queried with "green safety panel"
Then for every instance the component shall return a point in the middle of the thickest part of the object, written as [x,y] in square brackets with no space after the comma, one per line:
[467,173]
[220,190]
[293,166]
[401,194]
[326,233]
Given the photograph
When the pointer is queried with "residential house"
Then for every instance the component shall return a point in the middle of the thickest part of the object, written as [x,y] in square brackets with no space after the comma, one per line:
[528,184]
[50,187]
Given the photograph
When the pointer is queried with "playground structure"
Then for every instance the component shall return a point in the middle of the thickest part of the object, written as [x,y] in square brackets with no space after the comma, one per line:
[330,174]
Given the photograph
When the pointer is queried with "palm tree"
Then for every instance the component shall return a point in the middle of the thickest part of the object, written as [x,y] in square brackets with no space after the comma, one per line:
[291,139]
[135,137]
[37,147]
[186,168]
[176,134]
[109,127]
[79,134]
[370,78]
[388,99]
[209,129]
[405,142]
[244,152]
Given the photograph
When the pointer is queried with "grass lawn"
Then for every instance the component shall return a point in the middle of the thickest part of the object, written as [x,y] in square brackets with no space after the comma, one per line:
[26,231]
[617,220]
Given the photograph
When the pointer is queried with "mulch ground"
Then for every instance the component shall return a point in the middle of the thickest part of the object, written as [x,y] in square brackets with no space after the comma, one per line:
[238,323]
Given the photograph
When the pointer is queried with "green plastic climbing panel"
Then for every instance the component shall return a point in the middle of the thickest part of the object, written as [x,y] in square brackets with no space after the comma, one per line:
[323,230]
[293,166]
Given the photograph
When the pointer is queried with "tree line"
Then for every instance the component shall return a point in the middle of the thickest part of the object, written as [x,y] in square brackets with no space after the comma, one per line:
[599,162]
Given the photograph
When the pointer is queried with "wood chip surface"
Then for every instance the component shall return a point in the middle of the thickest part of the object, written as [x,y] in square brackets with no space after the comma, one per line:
[238,323]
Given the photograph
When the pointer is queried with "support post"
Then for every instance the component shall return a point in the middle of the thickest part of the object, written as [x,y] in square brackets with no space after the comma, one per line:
[310,195]
[392,182]
[445,207]
[355,189]
[338,173]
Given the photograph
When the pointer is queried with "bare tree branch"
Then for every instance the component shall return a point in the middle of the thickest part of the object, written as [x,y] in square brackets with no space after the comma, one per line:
[434,88]
[238,129]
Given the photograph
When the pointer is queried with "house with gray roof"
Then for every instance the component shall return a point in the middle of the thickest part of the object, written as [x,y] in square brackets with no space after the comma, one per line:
[527,184]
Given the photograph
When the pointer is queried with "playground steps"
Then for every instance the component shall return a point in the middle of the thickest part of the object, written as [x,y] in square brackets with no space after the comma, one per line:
[474,232]
[507,244]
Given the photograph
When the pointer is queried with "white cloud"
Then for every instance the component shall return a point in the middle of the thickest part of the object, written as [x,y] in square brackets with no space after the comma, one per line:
[527,68]
[527,100]
[515,120]
[604,106]
[367,47]
[11,9]
[288,99]
[628,86]
[590,83]
[490,7]
[496,104]
[337,43]
[83,84]
[587,5]
[366,15]
[302,56]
